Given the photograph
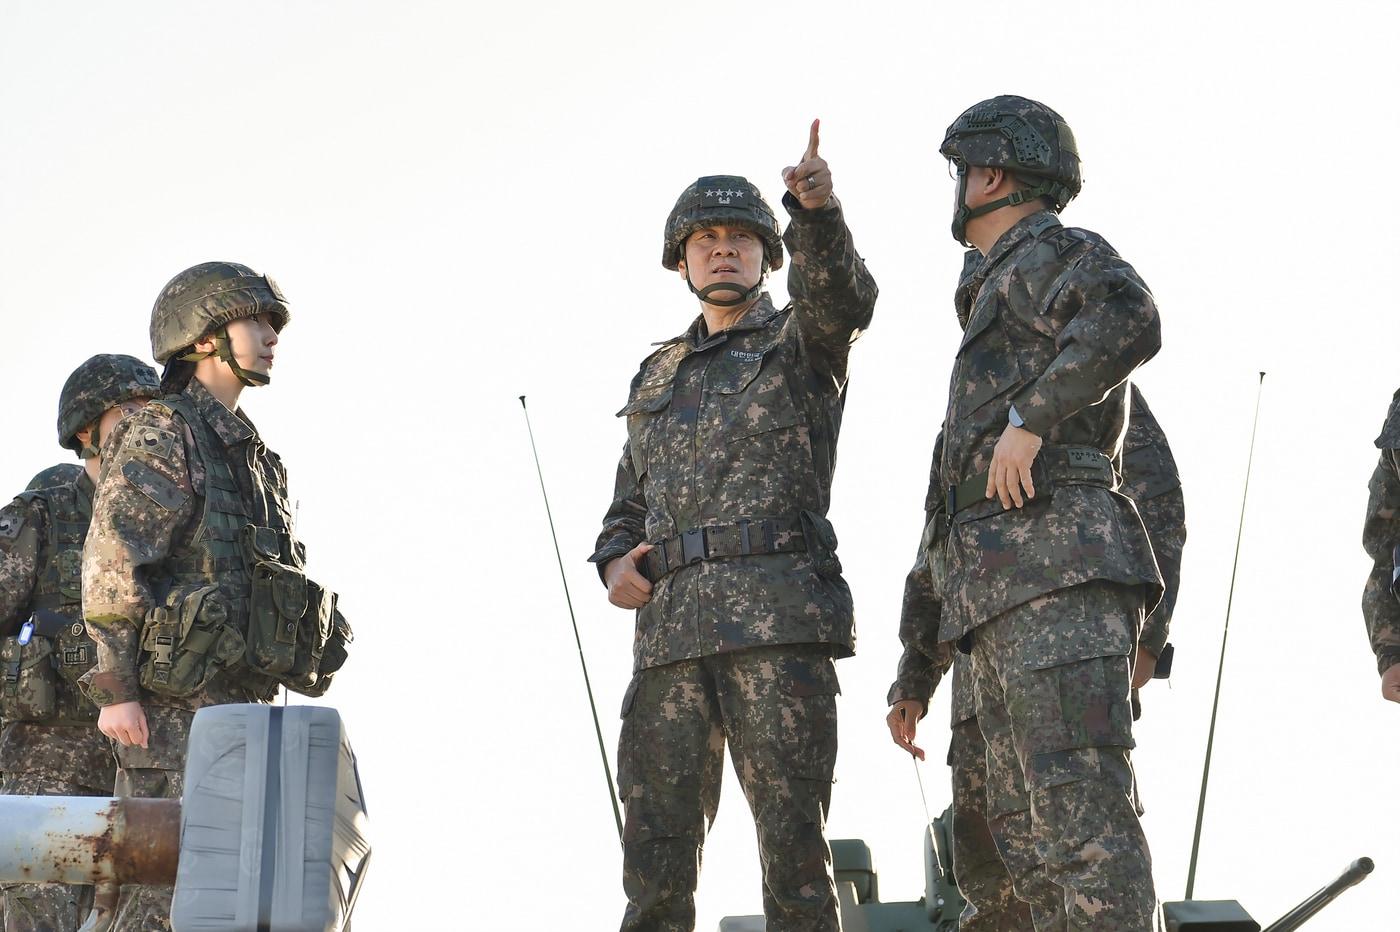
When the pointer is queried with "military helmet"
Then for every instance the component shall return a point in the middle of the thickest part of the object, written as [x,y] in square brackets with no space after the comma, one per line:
[721,200]
[206,298]
[59,474]
[104,381]
[1023,136]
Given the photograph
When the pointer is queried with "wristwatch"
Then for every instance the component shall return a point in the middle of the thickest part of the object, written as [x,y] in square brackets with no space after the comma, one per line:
[1015,418]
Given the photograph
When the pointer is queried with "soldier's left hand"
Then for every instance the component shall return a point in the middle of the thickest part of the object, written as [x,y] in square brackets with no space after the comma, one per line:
[810,180]
[1010,471]
[1390,683]
[1144,666]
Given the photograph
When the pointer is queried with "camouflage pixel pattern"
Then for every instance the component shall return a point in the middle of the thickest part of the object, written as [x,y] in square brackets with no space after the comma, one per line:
[1058,731]
[1036,141]
[1058,324]
[1151,480]
[983,878]
[743,424]
[149,502]
[206,297]
[153,772]
[57,474]
[776,708]
[46,758]
[721,200]
[1379,536]
[101,382]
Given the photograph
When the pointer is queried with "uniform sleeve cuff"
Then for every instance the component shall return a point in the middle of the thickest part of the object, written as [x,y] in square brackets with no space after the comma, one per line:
[1387,659]
[106,689]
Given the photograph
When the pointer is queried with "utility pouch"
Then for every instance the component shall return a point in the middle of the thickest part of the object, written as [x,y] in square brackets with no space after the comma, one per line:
[313,633]
[277,603]
[821,543]
[333,655]
[186,641]
[28,682]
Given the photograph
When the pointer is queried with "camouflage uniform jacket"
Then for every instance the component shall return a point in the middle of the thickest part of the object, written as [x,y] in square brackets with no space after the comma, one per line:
[1149,478]
[1380,536]
[150,502]
[1058,323]
[41,542]
[739,425]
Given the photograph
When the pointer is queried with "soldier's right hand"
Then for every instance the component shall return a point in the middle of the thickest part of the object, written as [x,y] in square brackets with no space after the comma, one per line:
[627,587]
[1390,683]
[124,722]
[904,722]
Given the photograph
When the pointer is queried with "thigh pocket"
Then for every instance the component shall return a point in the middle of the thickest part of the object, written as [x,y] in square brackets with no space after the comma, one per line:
[1072,712]
[805,721]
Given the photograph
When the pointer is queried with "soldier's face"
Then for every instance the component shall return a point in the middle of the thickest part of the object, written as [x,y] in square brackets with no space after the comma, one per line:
[723,254]
[252,340]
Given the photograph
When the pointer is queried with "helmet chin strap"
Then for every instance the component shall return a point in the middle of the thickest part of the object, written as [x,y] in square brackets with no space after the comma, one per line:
[93,447]
[964,213]
[223,348]
[709,293]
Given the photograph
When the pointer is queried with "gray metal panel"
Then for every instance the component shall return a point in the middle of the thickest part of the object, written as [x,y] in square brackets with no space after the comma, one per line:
[273,822]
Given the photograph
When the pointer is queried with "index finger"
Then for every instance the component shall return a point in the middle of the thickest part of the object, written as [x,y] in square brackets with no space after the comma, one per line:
[812,140]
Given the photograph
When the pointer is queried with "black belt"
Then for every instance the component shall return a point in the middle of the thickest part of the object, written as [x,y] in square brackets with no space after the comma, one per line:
[743,538]
[1054,466]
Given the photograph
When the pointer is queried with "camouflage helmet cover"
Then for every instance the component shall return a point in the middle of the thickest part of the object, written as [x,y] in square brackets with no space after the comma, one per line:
[1023,136]
[721,200]
[205,297]
[59,474]
[104,381]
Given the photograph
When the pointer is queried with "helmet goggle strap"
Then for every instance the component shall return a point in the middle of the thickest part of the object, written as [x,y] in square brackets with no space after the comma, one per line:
[223,348]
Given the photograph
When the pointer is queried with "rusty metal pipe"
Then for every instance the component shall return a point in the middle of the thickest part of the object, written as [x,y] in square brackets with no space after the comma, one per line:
[88,840]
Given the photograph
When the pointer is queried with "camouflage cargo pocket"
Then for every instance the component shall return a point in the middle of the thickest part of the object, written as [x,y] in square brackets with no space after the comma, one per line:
[28,682]
[186,641]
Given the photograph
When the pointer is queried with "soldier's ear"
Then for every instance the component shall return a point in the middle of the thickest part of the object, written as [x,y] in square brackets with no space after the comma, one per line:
[680,267]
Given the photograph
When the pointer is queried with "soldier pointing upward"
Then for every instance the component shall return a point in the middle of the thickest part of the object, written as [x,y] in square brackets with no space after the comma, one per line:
[718,537]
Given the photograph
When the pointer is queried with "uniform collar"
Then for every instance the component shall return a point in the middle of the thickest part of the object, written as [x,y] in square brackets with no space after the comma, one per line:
[85,488]
[1029,226]
[755,318]
[232,427]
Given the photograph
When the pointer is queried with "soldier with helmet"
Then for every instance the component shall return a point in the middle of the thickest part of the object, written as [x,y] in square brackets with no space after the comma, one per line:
[717,536]
[1380,601]
[193,586]
[50,745]
[1049,571]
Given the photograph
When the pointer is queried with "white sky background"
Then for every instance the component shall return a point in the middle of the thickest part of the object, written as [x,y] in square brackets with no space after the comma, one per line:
[465,202]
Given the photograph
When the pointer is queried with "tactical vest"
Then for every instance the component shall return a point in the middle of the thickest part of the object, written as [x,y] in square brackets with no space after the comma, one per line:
[214,554]
[59,588]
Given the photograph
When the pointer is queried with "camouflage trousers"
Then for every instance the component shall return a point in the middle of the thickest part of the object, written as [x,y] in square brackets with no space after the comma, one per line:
[1052,680]
[153,772]
[51,760]
[776,709]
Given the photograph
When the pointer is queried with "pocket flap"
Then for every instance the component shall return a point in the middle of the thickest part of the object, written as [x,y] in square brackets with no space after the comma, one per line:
[289,592]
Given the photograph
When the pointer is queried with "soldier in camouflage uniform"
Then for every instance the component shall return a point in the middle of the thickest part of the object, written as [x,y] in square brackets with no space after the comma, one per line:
[55,475]
[1149,477]
[50,745]
[718,535]
[1381,538]
[1049,570]
[193,586]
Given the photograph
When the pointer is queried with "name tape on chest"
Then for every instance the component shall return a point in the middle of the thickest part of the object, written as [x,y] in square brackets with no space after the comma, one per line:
[745,355]
[151,440]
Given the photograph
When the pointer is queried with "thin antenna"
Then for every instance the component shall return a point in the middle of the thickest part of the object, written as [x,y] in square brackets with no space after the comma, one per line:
[597,728]
[1220,673]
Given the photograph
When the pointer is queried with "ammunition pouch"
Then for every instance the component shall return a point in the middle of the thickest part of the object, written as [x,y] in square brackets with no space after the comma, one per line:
[186,641]
[821,543]
[28,681]
[291,619]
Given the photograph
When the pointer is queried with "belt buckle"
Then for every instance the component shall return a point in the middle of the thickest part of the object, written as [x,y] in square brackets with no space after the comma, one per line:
[693,545]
